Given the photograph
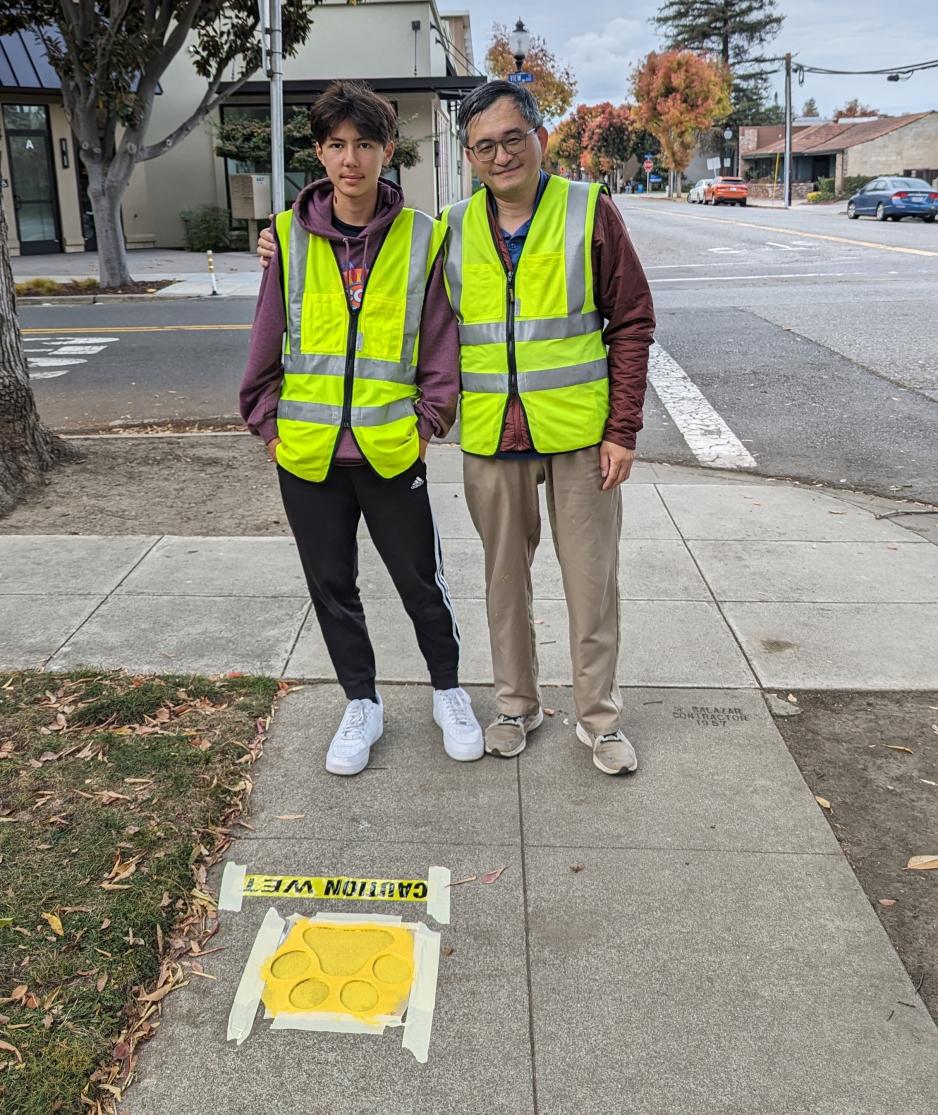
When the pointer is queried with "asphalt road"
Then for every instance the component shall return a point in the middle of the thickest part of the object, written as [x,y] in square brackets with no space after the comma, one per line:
[806,342]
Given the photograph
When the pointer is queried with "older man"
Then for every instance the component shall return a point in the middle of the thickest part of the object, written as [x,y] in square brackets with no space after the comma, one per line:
[555,320]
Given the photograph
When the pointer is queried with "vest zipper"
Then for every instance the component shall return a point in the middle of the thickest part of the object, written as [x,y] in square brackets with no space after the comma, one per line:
[350,347]
[510,323]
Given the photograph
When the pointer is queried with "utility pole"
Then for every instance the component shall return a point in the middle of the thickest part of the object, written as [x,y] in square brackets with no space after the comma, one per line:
[275,28]
[788,167]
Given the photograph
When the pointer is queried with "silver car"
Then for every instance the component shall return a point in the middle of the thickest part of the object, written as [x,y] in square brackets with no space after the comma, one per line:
[696,192]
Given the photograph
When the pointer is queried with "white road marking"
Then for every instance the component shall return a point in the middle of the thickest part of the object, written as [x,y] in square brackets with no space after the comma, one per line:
[738,278]
[69,350]
[62,352]
[708,437]
[53,361]
[727,251]
[784,247]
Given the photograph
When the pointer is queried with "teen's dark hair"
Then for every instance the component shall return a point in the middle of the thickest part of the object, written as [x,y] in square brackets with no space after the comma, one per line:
[355,103]
[484,96]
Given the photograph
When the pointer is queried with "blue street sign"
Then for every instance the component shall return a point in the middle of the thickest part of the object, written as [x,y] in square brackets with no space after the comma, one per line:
[654,177]
[520,77]
[649,156]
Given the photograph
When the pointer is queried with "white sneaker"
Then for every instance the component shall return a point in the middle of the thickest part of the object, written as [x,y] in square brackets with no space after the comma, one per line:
[361,726]
[462,736]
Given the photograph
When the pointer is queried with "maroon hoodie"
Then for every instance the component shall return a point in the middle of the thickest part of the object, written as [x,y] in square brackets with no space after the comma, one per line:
[438,359]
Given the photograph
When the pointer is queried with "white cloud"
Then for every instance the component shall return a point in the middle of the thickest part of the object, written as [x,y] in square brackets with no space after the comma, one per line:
[603,60]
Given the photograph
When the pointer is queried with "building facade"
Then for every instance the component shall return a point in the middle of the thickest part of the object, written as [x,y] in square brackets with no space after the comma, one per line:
[419,59]
[895,145]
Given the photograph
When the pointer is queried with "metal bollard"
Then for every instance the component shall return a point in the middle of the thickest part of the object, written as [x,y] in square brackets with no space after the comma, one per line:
[211,271]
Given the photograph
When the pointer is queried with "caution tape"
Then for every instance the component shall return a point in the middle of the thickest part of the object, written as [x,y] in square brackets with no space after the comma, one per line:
[238,884]
[335,886]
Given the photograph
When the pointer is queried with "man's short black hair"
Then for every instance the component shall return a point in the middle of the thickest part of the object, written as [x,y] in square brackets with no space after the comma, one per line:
[356,103]
[484,96]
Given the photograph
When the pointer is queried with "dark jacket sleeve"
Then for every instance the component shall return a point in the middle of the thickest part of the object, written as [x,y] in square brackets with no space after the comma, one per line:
[437,359]
[624,299]
[263,376]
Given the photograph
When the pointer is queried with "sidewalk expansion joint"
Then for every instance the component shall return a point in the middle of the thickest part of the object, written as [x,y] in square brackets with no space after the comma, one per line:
[527,940]
[104,599]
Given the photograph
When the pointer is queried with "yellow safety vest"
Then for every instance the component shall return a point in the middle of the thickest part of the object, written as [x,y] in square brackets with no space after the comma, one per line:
[533,332]
[344,370]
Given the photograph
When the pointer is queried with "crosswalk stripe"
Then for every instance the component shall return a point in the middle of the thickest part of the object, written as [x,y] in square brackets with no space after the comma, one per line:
[708,437]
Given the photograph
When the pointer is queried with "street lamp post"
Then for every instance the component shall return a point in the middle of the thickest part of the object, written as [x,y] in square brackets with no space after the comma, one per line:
[728,136]
[518,43]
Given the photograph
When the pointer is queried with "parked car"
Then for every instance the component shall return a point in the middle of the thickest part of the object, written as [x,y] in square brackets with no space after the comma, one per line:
[696,192]
[893,199]
[726,191]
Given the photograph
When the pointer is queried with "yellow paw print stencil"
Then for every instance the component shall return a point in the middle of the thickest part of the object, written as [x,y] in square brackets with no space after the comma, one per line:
[364,970]
[342,975]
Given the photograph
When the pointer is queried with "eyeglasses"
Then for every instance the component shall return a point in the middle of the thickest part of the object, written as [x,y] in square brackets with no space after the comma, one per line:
[513,144]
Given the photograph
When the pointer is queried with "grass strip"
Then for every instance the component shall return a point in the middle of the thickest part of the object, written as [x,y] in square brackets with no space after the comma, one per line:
[117,793]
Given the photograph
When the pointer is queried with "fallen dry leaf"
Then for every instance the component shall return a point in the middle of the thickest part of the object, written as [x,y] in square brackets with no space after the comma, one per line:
[468,879]
[491,876]
[575,867]
[291,816]
[55,924]
[11,1049]
[822,802]
[887,902]
[101,982]
[792,699]
[898,747]
[447,950]
[922,863]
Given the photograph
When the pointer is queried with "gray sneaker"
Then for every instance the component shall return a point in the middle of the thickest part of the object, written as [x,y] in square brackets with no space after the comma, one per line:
[612,752]
[506,736]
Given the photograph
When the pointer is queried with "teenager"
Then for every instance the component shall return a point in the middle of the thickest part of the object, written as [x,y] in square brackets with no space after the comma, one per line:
[353,366]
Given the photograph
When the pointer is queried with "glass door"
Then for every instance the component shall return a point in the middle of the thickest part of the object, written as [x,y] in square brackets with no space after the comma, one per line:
[32,178]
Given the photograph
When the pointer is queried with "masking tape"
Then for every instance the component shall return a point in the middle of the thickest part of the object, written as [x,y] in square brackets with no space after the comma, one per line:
[232,884]
[238,884]
[248,995]
[423,993]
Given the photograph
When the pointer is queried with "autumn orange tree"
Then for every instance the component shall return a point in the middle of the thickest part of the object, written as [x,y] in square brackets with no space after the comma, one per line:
[678,94]
[566,147]
[609,139]
[554,84]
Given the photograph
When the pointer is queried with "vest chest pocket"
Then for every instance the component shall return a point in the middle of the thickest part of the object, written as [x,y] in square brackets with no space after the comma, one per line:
[484,292]
[381,323]
[325,322]
[542,285]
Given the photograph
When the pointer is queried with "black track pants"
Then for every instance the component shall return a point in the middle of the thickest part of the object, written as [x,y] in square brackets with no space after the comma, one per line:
[324,517]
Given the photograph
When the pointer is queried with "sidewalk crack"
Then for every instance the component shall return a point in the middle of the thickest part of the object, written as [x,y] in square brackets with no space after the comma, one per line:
[527,941]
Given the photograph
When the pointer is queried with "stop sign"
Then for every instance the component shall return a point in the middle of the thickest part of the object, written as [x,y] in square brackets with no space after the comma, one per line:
[648,165]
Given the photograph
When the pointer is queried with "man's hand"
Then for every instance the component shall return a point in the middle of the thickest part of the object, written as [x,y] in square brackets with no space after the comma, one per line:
[615,464]
[272,449]
[266,246]
[423,449]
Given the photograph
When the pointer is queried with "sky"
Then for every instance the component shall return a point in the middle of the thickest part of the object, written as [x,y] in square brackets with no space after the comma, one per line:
[602,40]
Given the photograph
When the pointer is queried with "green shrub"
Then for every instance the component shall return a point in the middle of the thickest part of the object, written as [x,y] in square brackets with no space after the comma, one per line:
[37,286]
[207,229]
[854,183]
[826,186]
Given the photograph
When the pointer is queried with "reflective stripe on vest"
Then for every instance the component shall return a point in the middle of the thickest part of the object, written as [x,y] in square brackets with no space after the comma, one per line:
[546,344]
[356,371]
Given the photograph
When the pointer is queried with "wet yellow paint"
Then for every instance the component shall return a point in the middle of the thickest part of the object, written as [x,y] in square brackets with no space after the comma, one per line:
[361,969]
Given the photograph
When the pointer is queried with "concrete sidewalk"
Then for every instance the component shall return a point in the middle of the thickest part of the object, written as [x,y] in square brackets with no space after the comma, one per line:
[712,952]
[237,273]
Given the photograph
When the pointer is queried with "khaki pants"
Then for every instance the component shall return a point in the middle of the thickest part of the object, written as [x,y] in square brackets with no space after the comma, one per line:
[502,496]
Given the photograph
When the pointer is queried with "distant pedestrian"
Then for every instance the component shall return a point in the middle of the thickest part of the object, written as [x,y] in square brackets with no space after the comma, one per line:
[353,366]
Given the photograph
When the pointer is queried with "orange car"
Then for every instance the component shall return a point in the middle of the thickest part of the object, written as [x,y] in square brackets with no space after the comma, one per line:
[726,191]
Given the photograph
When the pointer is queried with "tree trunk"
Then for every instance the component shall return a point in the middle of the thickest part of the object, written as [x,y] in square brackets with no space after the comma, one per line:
[27,449]
[106,196]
